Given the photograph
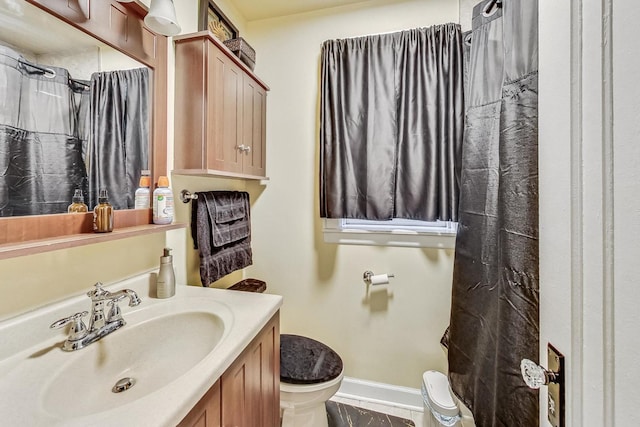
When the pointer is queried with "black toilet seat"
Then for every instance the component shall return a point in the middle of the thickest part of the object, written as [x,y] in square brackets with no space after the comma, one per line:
[307,361]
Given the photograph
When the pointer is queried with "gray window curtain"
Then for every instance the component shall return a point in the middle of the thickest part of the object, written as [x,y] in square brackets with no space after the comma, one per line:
[119,141]
[494,308]
[391,126]
[41,162]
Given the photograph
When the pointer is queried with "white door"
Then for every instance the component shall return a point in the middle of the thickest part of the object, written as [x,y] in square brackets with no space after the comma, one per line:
[590,205]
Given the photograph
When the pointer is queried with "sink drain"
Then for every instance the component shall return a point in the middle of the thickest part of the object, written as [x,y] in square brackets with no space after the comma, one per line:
[123,384]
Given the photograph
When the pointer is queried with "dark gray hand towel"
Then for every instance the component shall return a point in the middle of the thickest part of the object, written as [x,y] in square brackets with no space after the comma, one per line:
[221,230]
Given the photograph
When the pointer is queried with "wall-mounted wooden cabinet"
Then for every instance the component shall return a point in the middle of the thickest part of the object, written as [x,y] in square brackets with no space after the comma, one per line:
[220,111]
[248,393]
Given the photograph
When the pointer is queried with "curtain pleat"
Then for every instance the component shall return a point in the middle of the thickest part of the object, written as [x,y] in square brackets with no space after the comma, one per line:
[391,125]
[430,73]
[118,146]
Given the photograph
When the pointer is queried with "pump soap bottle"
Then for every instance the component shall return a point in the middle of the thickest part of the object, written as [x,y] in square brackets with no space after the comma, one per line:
[103,214]
[166,283]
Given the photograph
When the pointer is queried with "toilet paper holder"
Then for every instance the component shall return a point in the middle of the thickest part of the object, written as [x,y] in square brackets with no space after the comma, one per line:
[368,275]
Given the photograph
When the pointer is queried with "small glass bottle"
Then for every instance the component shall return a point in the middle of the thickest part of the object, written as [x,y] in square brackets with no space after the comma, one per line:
[103,214]
[77,203]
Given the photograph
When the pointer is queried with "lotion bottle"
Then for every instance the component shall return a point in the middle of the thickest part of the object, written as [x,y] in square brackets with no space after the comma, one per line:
[166,283]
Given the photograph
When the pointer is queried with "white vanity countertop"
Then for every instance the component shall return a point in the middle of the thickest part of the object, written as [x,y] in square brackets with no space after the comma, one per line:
[31,358]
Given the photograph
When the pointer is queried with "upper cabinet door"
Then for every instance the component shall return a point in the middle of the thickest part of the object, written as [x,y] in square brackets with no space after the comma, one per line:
[220,111]
[254,127]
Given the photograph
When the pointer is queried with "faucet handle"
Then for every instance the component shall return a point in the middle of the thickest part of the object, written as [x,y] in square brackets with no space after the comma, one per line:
[78,328]
[99,291]
[114,312]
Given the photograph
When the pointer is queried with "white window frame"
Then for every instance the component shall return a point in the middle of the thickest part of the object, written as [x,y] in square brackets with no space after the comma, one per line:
[396,232]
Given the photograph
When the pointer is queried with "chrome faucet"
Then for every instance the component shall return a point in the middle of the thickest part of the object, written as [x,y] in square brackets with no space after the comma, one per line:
[100,324]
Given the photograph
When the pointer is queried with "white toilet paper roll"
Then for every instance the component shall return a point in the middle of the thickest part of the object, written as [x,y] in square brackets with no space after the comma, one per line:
[379,279]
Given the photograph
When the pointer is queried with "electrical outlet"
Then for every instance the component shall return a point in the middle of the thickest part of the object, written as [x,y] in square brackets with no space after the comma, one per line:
[556,390]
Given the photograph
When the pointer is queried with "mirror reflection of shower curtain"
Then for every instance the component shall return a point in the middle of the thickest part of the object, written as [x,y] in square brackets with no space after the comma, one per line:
[41,160]
[494,313]
[119,142]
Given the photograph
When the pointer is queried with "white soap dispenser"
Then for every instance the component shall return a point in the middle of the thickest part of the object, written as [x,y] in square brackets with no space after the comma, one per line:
[166,283]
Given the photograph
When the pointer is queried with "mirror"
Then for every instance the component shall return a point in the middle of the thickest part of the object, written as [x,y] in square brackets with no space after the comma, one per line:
[74,116]
[107,23]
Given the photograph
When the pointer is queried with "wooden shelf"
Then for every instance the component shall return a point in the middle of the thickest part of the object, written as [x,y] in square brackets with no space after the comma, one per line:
[12,250]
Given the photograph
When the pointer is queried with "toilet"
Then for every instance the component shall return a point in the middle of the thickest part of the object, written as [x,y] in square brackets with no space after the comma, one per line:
[310,374]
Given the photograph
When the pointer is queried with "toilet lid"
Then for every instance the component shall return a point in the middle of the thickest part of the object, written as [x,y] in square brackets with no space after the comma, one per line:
[307,361]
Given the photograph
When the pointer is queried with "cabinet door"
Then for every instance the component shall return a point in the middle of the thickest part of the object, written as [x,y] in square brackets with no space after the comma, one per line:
[206,413]
[224,112]
[266,381]
[254,128]
[251,386]
[191,103]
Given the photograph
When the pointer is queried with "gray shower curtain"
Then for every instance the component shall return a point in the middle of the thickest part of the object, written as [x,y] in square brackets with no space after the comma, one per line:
[494,314]
[392,108]
[119,142]
[41,161]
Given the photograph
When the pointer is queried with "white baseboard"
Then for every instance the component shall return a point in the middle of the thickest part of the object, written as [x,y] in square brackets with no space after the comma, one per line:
[386,394]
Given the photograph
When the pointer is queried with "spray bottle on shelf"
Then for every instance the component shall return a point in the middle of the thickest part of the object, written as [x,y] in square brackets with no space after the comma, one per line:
[162,202]
[103,214]
[77,203]
[143,193]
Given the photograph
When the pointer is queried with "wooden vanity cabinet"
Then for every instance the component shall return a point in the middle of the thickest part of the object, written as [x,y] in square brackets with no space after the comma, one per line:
[206,413]
[220,111]
[248,393]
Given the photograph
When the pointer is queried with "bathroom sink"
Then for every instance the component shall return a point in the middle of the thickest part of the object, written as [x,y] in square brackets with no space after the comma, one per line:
[173,350]
[150,354]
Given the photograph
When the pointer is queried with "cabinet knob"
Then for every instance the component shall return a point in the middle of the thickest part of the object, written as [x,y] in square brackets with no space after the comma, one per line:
[244,148]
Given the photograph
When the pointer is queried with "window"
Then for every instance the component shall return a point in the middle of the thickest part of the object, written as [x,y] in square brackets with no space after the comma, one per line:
[391,127]
[395,232]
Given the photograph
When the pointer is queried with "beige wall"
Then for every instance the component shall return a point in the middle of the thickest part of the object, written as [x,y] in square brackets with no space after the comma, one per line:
[390,335]
[30,281]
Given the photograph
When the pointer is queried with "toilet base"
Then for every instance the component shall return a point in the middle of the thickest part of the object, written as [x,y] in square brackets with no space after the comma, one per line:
[304,405]
[314,416]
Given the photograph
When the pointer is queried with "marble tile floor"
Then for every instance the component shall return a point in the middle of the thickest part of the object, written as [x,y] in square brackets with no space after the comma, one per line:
[345,415]
[415,416]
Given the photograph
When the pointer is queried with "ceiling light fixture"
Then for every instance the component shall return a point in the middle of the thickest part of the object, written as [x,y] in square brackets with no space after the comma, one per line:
[162,18]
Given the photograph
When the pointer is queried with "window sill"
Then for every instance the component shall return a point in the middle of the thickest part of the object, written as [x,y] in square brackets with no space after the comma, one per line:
[12,250]
[395,238]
